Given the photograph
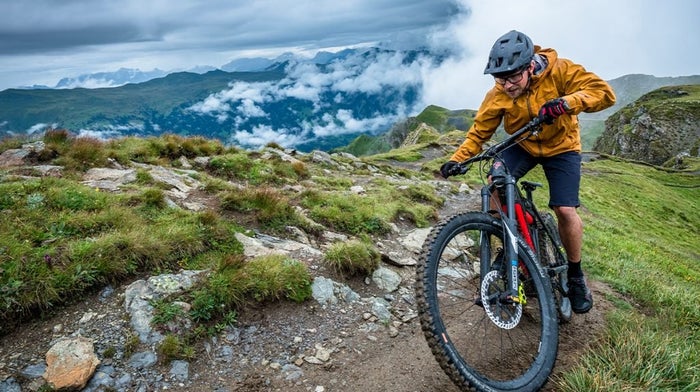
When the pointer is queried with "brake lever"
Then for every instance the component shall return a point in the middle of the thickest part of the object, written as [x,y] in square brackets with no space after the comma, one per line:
[462,168]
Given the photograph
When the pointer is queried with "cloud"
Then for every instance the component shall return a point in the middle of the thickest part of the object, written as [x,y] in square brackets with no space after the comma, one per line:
[37,128]
[609,38]
[248,108]
[370,73]
[42,41]
[262,135]
[344,122]
[112,131]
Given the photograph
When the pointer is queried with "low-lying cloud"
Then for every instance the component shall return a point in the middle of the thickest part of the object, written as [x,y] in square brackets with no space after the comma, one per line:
[385,76]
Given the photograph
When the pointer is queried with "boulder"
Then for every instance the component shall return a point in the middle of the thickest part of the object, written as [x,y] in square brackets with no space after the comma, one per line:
[70,363]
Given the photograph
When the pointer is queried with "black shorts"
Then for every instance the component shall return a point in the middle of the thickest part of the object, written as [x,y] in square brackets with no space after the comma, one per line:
[563,173]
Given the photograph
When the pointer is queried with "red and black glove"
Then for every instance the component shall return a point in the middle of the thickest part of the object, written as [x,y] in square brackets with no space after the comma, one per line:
[449,168]
[552,109]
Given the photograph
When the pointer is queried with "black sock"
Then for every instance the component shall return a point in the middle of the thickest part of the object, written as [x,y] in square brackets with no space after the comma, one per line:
[575,270]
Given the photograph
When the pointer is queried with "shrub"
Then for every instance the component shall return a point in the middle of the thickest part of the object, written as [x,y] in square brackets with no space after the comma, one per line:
[172,347]
[352,257]
[59,137]
[275,277]
[10,143]
[83,153]
[270,208]
[237,166]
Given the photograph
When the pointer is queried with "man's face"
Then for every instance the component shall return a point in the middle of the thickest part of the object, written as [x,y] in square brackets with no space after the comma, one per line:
[515,84]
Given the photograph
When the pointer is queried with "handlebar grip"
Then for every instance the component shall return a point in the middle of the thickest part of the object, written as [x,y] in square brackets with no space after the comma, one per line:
[460,168]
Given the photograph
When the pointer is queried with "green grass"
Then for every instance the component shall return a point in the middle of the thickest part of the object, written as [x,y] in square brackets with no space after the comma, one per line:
[59,238]
[269,208]
[352,257]
[638,354]
[642,226]
[373,211]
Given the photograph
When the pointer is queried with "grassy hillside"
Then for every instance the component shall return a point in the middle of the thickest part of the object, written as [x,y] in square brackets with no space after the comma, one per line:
[141,102]
[641,235]
[657,128]
[60,239]
[438,118]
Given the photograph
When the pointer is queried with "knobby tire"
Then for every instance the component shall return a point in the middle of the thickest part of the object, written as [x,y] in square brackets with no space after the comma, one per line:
[472,350]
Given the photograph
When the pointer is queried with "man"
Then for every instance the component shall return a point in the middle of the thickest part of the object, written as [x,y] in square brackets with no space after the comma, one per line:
[531,81]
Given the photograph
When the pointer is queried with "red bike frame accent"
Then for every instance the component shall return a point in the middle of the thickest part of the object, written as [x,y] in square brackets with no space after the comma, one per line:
[524,221]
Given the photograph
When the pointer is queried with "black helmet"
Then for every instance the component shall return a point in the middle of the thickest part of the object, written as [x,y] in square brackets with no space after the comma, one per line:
[510,53]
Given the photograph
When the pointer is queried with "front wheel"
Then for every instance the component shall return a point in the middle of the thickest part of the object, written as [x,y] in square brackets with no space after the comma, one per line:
[479,341]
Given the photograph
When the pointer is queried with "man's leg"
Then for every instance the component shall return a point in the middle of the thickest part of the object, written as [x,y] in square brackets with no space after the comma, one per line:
[570,231]
[564,175]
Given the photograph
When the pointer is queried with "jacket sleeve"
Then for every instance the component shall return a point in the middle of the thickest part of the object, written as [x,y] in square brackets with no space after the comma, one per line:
[487,120]
[584,91]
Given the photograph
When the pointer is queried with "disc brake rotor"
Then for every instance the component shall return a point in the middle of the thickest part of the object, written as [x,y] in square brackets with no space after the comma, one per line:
[504,315]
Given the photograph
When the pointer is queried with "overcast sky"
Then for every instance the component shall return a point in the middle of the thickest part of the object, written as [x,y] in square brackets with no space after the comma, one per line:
[42,41]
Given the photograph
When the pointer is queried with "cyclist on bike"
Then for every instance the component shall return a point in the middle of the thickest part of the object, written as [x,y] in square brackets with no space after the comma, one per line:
[531,81]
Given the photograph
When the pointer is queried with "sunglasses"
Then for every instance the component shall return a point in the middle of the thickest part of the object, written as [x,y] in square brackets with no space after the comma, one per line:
[513,79]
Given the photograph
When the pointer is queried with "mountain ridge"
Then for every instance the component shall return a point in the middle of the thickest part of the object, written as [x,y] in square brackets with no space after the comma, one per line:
[279,103]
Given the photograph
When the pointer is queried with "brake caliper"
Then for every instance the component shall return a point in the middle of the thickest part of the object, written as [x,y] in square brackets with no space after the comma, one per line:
[521,298]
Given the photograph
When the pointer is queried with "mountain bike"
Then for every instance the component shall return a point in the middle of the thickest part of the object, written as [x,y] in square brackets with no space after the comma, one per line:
[491,285]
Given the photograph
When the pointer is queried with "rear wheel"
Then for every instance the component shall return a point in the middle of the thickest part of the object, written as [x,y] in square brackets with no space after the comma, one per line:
[554,260]
[479,340]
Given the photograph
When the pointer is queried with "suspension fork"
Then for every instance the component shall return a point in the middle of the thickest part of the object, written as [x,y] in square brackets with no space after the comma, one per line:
[510,236]
[510,245]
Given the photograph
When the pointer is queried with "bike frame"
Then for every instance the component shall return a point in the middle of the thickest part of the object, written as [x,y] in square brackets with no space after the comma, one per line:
[524,223]
[514,212]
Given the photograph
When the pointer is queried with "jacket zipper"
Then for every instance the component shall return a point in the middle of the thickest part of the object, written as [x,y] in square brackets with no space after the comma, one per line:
[529,112]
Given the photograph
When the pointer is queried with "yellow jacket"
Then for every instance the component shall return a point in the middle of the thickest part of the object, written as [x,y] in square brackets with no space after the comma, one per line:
[583,91]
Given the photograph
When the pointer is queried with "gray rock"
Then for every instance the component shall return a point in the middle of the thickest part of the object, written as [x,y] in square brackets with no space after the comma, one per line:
[180,370]
[143,360]
[380,309]
[138,295]
[386,279]
[10,385]
[34,371]
[322,290]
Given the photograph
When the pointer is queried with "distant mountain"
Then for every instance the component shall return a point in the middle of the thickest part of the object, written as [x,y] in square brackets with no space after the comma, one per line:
[436,118]
[248,64]
[324,102]
[110,79]
[293,103]
[255,64]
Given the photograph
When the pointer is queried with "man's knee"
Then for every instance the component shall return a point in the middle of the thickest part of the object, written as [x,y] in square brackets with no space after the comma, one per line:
[566,214]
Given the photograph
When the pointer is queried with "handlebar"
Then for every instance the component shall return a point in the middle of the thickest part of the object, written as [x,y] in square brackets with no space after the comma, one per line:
[531,128]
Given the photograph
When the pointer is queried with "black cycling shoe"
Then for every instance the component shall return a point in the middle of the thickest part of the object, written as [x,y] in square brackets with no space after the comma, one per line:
[579,295]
